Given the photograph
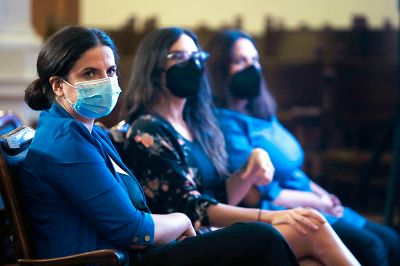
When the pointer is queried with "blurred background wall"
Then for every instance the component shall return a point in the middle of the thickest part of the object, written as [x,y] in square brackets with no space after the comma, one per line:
[215,13]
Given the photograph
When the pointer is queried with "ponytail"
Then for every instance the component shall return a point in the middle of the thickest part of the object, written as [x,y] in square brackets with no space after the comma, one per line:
[36,96]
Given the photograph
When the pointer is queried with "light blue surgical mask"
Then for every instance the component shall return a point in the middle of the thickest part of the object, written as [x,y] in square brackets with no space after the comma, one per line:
[96,98]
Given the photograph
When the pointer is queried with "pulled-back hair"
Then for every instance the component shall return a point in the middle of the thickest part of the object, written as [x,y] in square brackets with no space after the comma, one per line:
[145,89]
[57,58]
[220,48]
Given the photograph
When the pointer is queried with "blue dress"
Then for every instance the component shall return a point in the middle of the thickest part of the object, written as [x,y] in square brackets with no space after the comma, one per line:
[243,133]
[67,180]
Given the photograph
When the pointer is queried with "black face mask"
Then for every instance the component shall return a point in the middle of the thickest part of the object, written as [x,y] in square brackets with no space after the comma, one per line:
[246,83]
[184,79]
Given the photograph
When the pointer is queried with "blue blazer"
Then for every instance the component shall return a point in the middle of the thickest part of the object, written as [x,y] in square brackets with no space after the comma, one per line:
[77,202]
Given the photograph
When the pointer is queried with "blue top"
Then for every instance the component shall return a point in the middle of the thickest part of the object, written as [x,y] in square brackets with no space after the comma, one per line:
[243,133]
[203,164]
[77,202]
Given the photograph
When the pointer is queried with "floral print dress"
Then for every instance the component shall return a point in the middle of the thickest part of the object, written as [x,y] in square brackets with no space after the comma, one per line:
[164,164]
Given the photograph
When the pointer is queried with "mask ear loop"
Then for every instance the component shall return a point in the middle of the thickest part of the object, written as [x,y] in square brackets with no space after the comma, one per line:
[68,100]
[68,83]
[156,77]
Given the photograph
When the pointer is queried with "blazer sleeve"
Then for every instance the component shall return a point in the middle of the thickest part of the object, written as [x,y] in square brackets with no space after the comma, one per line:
[156,157]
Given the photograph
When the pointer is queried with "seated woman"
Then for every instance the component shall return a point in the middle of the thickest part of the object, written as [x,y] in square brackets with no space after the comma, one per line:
[248,120]
[78,193]
[177,150]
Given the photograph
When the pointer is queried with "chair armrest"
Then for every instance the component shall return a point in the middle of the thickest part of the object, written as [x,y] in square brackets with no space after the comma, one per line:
[104,256]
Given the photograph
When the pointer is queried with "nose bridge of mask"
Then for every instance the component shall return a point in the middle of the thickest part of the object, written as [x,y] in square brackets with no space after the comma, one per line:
[198,62]
[192,62]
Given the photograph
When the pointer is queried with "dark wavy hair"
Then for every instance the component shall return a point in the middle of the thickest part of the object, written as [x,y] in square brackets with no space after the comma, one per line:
[220,48]
[57,58]
[144,90]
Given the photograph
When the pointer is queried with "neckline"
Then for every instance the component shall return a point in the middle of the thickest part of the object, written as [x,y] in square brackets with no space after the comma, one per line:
[171,127]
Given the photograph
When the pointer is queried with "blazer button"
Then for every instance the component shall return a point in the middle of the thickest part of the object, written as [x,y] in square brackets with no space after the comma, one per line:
[147,238]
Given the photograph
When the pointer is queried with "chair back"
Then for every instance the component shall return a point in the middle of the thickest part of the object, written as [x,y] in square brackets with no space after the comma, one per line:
[9,121]
[117,134]
[13,149]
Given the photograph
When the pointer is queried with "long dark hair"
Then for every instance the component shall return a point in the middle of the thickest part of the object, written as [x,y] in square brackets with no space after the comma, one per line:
[58,56]
[145,89]
[221,49]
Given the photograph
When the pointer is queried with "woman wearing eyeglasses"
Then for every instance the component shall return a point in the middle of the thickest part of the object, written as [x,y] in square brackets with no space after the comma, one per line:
[176,148]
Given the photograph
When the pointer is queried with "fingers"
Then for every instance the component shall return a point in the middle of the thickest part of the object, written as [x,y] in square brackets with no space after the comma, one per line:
[306,222]
[247,170]
[265,176]
[338,211]
[297,226]
[335,199]
[312,213]
[260,168]
[190,231]
[286,217]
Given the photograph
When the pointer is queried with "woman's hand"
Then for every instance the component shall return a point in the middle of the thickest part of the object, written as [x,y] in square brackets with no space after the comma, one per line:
[302,219]
[257,171]
[170,227]
[330,204]
[258,168]
[189,232]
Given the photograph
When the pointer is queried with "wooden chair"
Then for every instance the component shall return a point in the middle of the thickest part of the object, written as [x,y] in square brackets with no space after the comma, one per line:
[13,149]
[8,121]
[117,133]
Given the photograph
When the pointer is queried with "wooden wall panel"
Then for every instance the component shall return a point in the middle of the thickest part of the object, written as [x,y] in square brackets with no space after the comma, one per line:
[50,14]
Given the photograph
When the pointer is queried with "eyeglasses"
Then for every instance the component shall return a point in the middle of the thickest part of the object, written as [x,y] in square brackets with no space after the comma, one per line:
[182,56]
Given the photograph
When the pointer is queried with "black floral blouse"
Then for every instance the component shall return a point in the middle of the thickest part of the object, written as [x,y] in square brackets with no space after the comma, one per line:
[163,163]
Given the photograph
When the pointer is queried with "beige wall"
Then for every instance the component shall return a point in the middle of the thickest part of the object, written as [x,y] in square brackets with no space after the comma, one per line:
[214,13]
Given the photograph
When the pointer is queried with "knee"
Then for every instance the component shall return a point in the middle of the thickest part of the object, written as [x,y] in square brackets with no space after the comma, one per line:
[263,232]
[267,244]
[374,248]
[260,235]
[377,245]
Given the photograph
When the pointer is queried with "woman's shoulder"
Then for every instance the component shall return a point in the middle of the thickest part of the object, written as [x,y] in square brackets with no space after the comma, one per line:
[151,123]
[227,114]
[154,133]
[58,136]
[57,122]
[231,118]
